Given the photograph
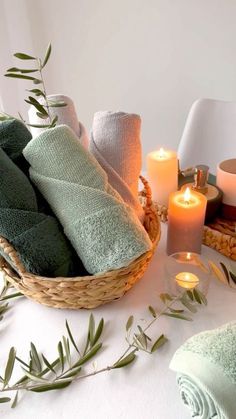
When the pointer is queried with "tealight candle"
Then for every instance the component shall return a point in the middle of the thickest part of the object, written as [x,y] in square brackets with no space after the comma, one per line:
[187,280]
[162,169]
[186,214]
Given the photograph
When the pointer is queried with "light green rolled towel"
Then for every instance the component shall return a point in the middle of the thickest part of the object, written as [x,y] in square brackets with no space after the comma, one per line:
[206,373]
[104,231]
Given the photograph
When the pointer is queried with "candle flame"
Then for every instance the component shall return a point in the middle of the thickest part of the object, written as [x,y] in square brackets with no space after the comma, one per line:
[188,255]
[162,152]
[187,195]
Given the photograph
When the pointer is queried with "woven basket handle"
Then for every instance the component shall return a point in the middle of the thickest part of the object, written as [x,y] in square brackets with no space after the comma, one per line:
[13,256]
[147,191]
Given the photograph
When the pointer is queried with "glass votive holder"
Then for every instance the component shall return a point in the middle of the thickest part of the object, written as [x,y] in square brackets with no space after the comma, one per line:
[186,271]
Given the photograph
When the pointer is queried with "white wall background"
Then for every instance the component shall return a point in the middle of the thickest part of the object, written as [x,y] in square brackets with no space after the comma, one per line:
[152,57]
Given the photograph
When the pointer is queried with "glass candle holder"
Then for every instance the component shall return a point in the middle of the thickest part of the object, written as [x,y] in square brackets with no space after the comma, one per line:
[186,271]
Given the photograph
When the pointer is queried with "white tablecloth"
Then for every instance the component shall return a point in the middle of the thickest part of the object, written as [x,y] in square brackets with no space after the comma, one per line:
[144,390]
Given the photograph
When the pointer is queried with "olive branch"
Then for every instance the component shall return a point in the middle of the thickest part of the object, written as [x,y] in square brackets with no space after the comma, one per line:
[41,375]
[223,274]
[42,109]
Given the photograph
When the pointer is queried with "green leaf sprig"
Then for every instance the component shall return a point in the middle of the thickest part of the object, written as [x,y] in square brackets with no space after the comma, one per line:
[41,375]
[223,274]
[42,110]
[5,295]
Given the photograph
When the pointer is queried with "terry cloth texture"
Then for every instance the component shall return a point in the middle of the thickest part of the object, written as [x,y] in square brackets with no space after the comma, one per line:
[115,142]
[206,373]
[104,231]
[36,237]
[66,115]
[14,136]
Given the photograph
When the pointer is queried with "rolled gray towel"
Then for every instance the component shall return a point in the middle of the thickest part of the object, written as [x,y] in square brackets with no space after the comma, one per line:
[115,142]
[66,115]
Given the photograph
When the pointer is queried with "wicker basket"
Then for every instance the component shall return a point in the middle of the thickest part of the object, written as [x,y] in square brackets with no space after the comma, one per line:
[88,291]
[221,236]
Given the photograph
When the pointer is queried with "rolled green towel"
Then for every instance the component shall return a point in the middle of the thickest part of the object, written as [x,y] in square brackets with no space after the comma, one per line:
[104,231]
[36,237]
[206,373]
[14,136]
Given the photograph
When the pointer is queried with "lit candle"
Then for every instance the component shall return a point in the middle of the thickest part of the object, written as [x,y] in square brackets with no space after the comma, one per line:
[187,280]
[186,215]
[162,169]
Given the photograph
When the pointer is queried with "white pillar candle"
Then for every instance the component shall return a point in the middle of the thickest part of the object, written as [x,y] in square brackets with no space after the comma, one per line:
[186,214]
[162,169]
[226,181]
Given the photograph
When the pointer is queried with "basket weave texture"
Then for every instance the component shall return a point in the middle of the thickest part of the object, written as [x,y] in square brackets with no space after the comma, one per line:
[221,236]
[87,291]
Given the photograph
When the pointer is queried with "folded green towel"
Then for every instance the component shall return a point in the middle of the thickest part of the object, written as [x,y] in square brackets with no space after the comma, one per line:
[206,367]
[37,237]
[104,231]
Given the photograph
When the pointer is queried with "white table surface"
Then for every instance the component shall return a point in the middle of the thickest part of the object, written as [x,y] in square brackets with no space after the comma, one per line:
[144,390]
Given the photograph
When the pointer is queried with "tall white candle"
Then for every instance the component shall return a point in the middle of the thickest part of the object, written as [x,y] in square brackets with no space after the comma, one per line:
[186,215]
[162,168]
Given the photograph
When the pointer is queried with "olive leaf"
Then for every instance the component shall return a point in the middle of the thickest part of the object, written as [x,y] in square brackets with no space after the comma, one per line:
[15,400]
[233,277]
[51,386]
[56,104]
[5,399]
[47,55]
[22,76]
[23,56]
[165,297]
[98,332]
[88,355]
[32,101]
[158,343]
[178,316]
[152,311]
[225,271]
[129,323]
[21,70]
[61,354]
[217,272]
[126,360]
[47,363]
[196,296]
[9,366]
[35,358]
[71,337]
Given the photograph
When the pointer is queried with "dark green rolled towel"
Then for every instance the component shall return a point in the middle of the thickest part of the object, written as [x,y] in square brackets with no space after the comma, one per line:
[14,136]
[36,237]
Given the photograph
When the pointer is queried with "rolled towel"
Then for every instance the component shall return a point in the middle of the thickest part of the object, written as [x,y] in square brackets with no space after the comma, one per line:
[14,136]
[66,115]
[104,231]
[36,237]
[206,373]
[115,142]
